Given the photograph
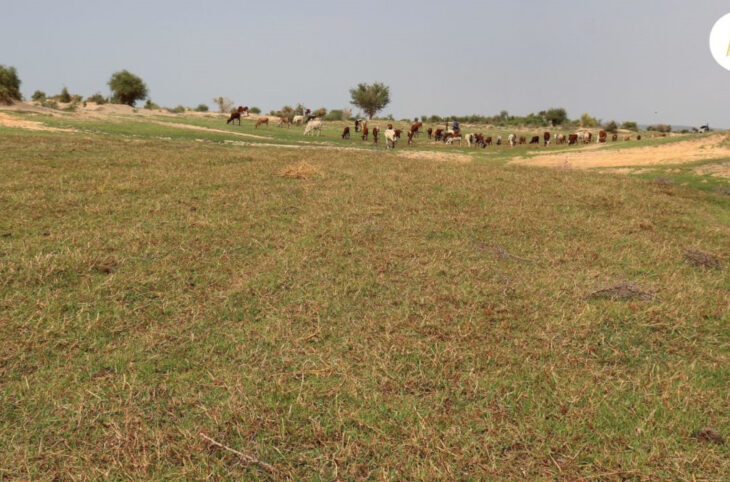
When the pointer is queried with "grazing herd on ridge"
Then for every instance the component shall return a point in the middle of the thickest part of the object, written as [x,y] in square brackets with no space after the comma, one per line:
[446,135]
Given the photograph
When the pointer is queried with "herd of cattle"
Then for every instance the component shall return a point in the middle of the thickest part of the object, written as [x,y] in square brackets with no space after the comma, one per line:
[446,135]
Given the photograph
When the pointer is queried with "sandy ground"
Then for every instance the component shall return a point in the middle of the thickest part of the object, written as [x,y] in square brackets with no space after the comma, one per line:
[681,152]
[10,121]
[436,156]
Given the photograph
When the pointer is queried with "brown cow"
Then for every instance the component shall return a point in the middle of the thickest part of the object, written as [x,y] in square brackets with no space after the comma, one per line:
[546,138]
[602,136]
[389,126]
[588,138]
[375,135]
[415,127]
[535,140]
[572,139]
[614,138]
[627,138]
[411,133]
[560,139]
[364,133]
[638,138]
[346,133]
[429,131]
[522,140]
[488,141]
[237,114]
[438,135]
[283,120]
[398,132]
[261,121]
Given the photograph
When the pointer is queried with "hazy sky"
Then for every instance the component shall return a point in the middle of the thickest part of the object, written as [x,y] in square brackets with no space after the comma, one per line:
[646,61]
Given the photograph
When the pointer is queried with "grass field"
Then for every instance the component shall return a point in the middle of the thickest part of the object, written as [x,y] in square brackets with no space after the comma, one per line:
[327,313]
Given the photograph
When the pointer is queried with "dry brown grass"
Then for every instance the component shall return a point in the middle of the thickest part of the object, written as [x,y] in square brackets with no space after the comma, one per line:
[300,170]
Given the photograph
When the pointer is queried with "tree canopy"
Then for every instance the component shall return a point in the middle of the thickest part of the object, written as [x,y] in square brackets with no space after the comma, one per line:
[127,88]
[9,85]
[370,97]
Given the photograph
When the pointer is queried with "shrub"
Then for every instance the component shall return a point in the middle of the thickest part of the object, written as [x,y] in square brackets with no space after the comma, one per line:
[127,88]
[176,110]
[151,105]
[611,127]
[629,125]
[9,85]
[660,128]
[588,121]
[201,108]
[64,96]
[97,98]
[254,110]
[39,96]
[49,103]
[556,115]
[335,115]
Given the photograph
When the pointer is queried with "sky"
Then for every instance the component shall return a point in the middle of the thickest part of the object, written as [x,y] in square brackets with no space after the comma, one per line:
[646,61]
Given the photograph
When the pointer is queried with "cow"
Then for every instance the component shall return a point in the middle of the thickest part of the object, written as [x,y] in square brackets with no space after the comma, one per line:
[638,138]
[389,126]
[470,139]
[262,121]
[237,115]
[512,138]
[438,134]
[415,128]
[560,139]
[346,133]
[627,138]
[390,138]
[614,138]
[283,120]
[572,139]
[452,137]
[297,120]
[429,131]
[602,136]
[546,138]
[499,140]
[398,132]
[411,133]
[588,138]
[522,140]
[364,131]
[535,140]
[375,135]
[313,125]
[488,141]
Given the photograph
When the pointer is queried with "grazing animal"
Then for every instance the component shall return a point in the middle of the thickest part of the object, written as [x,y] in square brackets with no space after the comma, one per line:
[390,138]
[499,140]
[429,131]
[535,140]
[546,138]
[346,133]
[572,139]
[512,138]
[313,125]
[389,126]
[398,132]
[298,120]
[560,139]
[522,140]
[589,138]
[411,133]
[627,138]
[415,128]
[614,138]
[488,141]
[262,121]
[638,138]
[237,115]
[470,139]
[602,136]
[283,120]
[375,135]
[364,131]
[452,137]
[438,134]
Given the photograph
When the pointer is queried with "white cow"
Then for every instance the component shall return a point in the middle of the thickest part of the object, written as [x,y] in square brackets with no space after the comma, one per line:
[297,120]
[470,139]
[512,138]
[313,125]
[390,138]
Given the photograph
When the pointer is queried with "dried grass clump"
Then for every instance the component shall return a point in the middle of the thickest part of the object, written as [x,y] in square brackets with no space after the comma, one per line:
[701,260]
[622,291]
[301,170]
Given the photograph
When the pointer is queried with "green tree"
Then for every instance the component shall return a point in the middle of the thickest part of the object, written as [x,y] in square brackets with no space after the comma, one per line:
[556,115]
[201,108]
[127,88]
[630,125]
[611,127]
[587,121]
[9,85]
[64,96]
[39,96]
[370,98]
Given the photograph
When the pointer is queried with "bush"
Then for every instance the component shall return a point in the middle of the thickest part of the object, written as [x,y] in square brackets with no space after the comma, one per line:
[97,98]
[611,127]
[39,96]
[254,110]
[176,110]
[9,85]
[201,108]
[64,96]
[151,105]
[588,121]
[335,115]
[632,126]
[557,116]
[660,128]
[127,88]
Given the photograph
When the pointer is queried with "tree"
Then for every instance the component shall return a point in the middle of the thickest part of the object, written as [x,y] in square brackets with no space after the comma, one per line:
[611,127]
[64,96]
[201,108]
[587,121]
[370,98]
[224,104]
[9,85]
[630,125]
[127,88]
[39,96]
[556,116]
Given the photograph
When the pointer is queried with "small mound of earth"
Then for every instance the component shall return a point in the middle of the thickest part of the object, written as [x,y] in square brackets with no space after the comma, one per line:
[699,259]
[622,291]
[436,156]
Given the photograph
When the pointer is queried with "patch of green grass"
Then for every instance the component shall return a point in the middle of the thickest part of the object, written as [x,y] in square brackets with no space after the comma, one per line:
[383,317]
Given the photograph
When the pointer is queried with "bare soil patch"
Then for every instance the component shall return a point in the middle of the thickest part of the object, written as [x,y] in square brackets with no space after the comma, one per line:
[10,121]
[436,156]
[674,153]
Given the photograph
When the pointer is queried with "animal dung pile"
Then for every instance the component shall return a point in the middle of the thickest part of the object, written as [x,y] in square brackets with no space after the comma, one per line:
[622,292]
[301,170]
[699,259]
[707,434]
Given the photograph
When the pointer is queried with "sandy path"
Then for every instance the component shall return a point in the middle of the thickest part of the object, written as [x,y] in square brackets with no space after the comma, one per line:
[680,152]
[208,129]
[11,121]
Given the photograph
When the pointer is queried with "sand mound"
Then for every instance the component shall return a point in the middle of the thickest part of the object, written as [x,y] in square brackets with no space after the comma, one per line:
[681,152]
